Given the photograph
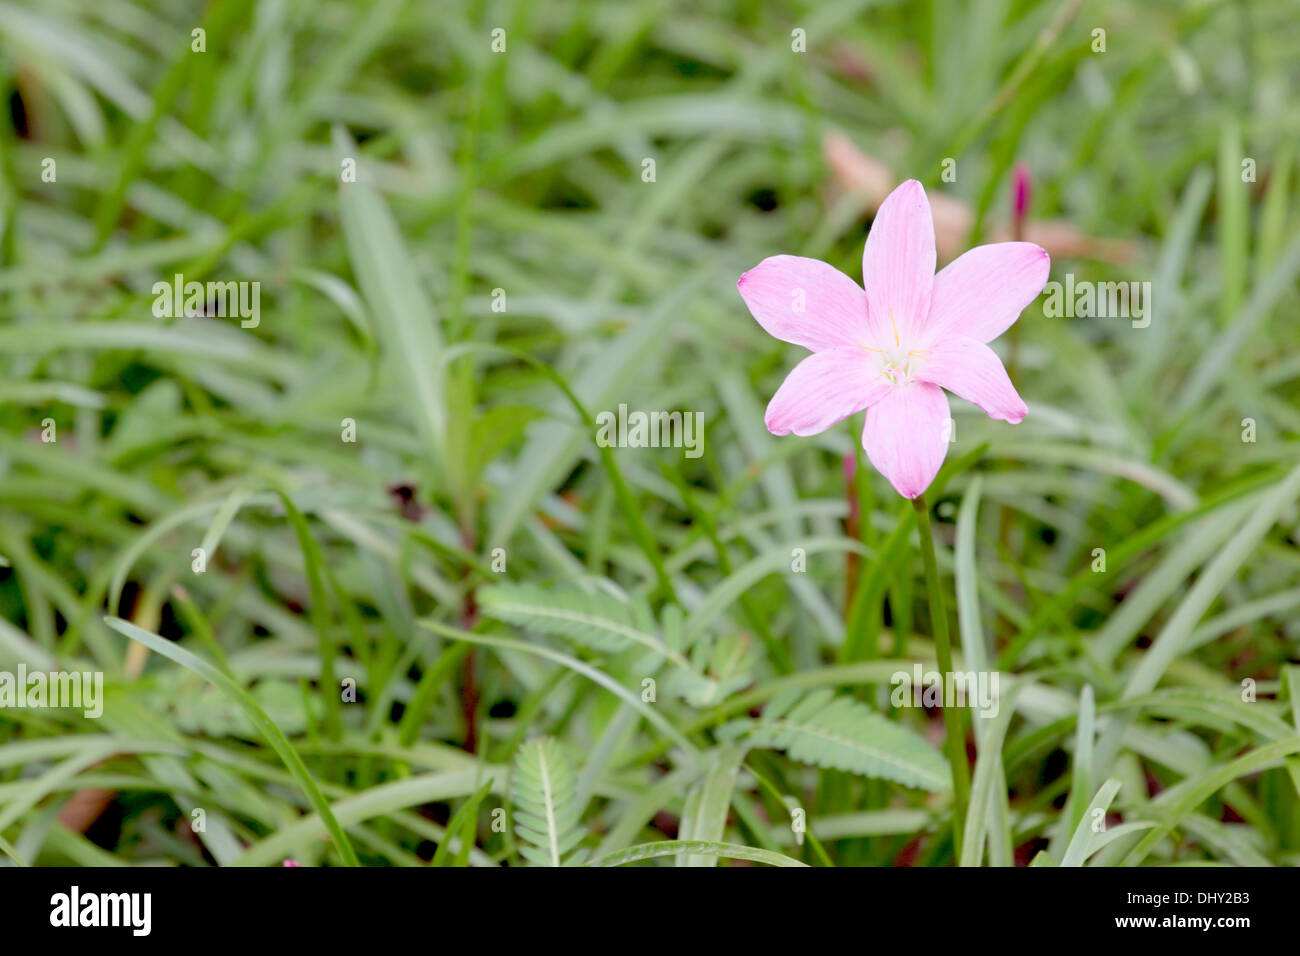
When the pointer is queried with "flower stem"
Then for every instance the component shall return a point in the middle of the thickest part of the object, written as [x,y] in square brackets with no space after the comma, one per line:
[954,734]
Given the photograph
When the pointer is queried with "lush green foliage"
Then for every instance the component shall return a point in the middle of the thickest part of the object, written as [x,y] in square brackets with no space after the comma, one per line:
[475,636]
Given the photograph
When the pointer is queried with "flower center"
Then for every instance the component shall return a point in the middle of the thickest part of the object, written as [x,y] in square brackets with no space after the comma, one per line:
[897,362]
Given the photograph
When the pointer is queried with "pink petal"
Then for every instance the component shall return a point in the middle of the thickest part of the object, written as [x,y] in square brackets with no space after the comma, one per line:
[969,368]
[823,389]
[906,436]
[982,292]
[806,302]
[898,265]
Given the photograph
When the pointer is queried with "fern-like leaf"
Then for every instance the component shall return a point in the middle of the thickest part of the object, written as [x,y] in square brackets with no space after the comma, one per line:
[601,622]
[844,734]
[548,817]
[596,620]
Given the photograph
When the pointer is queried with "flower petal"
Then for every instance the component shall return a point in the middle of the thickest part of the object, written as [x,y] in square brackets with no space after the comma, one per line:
[906,436]
[982,292]
[823,389]
[898,265]
[969,368]
[805,302]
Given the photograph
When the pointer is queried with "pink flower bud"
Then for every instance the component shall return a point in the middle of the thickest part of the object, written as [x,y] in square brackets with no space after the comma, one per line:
[1021,186]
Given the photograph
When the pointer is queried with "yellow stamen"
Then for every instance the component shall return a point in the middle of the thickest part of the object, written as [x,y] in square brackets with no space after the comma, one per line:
[895,325]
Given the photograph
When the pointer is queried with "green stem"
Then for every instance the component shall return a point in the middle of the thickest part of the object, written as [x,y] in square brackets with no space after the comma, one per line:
[954,734]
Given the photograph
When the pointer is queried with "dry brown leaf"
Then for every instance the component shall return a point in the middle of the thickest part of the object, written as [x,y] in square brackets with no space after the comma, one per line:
[859,174]
[84,808]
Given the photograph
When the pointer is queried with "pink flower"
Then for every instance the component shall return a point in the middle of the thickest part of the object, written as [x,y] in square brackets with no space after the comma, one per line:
[895,347]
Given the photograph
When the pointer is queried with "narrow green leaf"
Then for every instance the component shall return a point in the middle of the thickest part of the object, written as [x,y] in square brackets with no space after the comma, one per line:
[263,723]
[405,319]
[650,851]
[1080,847]
[461,826]
[709,802]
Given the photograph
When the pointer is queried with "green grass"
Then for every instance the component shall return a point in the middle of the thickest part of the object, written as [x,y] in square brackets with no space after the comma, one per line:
[472,636]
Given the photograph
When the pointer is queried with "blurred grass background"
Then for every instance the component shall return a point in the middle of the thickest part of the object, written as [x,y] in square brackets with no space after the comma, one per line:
[523,171]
